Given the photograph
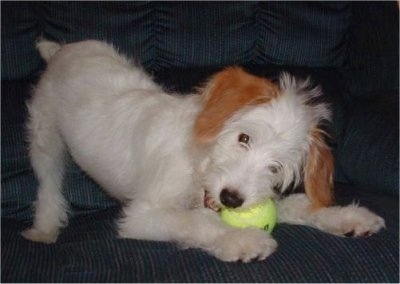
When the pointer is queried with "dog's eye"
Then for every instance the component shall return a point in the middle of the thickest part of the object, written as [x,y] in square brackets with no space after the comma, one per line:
[273,169]
[244,138]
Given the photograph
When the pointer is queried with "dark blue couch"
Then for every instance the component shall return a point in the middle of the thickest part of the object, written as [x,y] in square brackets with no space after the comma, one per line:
[351,49]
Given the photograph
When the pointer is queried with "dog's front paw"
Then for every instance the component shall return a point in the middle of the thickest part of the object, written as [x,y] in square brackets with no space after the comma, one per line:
[360,222]
[244,245]
[349,221]
[36,235]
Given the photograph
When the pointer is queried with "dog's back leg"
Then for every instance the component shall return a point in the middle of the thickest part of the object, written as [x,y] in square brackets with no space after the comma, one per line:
[46,151]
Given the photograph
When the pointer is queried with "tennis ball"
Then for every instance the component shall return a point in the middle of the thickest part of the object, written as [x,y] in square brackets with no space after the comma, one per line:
[262,216]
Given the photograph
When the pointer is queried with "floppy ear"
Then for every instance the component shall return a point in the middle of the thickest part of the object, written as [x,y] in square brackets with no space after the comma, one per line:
[318,175]
[227,92]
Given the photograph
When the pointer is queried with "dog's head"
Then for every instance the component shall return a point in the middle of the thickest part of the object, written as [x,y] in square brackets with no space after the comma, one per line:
[259,138]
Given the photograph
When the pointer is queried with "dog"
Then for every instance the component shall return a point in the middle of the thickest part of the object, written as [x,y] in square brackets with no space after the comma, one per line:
[175,161]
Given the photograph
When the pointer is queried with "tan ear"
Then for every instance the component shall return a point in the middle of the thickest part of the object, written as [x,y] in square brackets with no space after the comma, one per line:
[227,92]
[318,176]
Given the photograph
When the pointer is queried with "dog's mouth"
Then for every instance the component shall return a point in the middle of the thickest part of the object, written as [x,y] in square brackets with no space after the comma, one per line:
[210,203]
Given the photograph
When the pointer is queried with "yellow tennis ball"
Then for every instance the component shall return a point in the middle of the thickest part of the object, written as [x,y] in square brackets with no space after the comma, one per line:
[262,216]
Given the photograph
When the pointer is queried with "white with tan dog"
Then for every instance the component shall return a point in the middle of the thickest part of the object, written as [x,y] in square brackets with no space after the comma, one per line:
[240,140]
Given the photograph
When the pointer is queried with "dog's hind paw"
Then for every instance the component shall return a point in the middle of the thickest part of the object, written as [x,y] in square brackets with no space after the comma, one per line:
[244,245]
[36,235]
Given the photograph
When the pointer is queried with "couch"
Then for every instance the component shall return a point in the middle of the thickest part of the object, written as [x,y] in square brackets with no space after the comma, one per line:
[349,48]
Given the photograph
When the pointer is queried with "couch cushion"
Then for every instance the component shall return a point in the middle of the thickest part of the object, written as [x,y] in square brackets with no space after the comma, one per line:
[182,34]
[89,251]
[300,33]
[369,153]
[373,51]
[19,30]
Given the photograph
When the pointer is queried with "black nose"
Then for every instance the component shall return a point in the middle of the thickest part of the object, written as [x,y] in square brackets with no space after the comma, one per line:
[230,198]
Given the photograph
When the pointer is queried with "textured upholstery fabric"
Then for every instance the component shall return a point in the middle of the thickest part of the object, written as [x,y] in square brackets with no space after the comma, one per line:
[372,65]
[374,123]
[18,58]
[167,34]
[16,181]
[89,251]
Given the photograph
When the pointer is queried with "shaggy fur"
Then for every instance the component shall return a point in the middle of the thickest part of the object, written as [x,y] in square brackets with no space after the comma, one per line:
[176,160]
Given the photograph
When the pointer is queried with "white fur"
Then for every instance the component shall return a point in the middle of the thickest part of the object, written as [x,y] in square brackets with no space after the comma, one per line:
[137,143]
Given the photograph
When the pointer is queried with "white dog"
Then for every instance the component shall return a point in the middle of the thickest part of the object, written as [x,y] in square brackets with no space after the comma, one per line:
[176,160]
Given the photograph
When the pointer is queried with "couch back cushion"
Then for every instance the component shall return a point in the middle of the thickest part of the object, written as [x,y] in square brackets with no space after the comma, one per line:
[372,65]
[181,34]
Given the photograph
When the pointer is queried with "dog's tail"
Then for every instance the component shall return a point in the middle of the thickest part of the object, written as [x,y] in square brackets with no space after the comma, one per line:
[47,48]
